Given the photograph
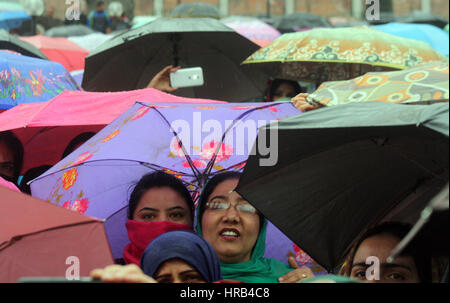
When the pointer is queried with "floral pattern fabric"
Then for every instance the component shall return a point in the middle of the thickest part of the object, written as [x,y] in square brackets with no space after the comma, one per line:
[333,54]
[425,84]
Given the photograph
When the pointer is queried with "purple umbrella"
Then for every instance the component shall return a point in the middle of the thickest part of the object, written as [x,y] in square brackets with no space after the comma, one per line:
[190,141]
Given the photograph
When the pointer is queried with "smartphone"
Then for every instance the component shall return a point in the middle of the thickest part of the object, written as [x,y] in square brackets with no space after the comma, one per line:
[187,77]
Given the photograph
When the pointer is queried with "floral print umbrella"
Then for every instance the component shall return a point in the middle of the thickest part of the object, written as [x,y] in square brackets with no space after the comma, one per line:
[190,141]
[334,54]
[422,84]
[27,80]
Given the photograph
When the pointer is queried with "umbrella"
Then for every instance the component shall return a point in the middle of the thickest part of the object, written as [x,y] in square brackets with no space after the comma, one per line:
[45,129]
[333,54]
[300,21]
[37,238]
[69,30]
[343,169]
[436,37]
[253,29]
[195,10]
[181,139]
[130,60]
[12,19]
[77,75]
[10,42]
[446,28]
[422,17]
[60,50]
[26,80]
[91,41]
[421,84]
[11,5]
[430,232]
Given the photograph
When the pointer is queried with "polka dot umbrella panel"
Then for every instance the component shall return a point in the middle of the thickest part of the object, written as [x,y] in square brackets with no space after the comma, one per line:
[426,83]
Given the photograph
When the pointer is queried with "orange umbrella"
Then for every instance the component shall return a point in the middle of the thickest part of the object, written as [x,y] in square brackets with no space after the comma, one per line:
[61,50]
[37,239]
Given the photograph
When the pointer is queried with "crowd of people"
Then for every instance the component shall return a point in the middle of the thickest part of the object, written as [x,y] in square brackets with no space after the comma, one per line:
[222,238]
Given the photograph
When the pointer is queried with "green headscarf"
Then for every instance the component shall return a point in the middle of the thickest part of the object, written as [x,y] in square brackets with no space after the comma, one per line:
[258,269]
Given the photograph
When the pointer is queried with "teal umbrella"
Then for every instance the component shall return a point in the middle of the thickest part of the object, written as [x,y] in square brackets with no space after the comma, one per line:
[343,169]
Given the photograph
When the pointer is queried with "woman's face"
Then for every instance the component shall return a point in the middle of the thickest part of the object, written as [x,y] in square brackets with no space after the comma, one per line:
[6,161]
[402,270]
[177,271]
[231,233]
[284,90]
[162,204]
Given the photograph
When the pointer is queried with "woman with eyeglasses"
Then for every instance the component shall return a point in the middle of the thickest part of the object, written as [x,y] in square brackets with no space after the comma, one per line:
[237,232]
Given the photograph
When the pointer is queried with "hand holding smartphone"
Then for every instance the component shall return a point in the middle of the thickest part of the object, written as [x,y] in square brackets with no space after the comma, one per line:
[187,77]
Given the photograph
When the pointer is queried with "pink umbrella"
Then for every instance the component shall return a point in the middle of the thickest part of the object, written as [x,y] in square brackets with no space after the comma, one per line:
[46,128]
[253,29]
[60,50]
[8,184]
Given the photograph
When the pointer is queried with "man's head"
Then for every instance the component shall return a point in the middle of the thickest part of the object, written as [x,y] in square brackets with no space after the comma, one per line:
[100,6]
[11,156]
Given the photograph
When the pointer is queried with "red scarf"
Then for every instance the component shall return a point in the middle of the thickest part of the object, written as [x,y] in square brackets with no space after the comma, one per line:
[141,234]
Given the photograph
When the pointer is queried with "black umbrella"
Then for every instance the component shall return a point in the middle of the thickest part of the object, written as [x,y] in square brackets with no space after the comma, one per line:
[195,10]
[8,41]
[69,30]
[130,60]
[342,170]
[297,21]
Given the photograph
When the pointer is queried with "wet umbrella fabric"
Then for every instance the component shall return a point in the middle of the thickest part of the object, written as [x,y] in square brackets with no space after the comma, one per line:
[423,84]
[420,17]
[60,50]
[37,238]
[300,21]
[12,19]
[46,128]
[334,54]
[10,42]
[356,163]
[69,30]
[28,80]
[195,10]
[149,137]
[130,60]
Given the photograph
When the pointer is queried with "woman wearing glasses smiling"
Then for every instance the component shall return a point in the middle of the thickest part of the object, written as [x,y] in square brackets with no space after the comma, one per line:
[237,232]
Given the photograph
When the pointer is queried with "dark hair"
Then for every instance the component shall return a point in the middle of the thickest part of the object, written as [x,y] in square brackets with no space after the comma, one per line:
[398,230]
[211,186]
[16,147]
[158,179]
[99,3]
[81,138]
[277,82]
[31,174]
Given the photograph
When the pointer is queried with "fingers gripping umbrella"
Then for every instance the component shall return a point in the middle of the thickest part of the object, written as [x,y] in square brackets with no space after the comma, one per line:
[345,168]
[130,60]
[182,139]
[37,238]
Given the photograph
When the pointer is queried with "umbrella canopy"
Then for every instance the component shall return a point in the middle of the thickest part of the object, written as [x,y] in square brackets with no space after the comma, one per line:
[333,54]
[60,50]
[45,129]
[253,29]
[69,30]
[422,17]
[182,139]
[434,36]
[11,5]
[77,75]
[12,19]
[131,60]
[10,42]
[36,238]
[91,41]
[195,10]
[421,84]
[27,80]
[343,169]
[300,21]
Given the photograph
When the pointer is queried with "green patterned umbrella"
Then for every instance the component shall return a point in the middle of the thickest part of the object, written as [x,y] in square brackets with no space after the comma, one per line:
[427,83]
[334,54]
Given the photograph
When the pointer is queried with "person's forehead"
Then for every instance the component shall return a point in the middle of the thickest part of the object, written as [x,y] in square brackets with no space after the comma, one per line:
[379,246]
[161,198]
[177,265]
[6,154]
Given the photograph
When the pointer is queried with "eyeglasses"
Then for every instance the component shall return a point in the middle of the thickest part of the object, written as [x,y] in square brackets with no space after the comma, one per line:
[218,205]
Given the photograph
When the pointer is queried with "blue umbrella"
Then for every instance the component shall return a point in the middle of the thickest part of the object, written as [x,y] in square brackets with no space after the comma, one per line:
[436,37]
[12,19]
[27,80]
